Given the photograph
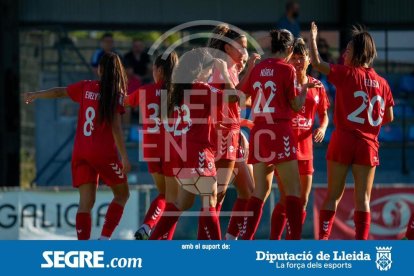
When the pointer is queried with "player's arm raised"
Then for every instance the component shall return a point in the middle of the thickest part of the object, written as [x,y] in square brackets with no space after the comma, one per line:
[316,59]
[52,93]
[250,65]
[221,65]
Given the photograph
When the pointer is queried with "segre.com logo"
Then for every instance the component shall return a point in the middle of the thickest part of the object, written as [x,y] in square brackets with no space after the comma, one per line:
[86,259]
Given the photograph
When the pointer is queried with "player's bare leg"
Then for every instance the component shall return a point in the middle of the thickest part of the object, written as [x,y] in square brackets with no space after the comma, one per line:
[115,209]
[155,210]
[263,176]
[289,175]
[364,179]
[336,185]
[244,184]
[224,172]
[87,196]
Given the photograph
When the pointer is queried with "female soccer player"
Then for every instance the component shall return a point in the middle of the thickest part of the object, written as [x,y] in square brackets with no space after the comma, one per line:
[363,103]
[98,139]
[302,124]
[230,46]
[272,86]
[191,102]
[148,98]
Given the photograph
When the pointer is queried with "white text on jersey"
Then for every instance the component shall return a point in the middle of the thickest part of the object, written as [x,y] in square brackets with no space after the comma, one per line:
[91,96]
[372,83]
[266,72]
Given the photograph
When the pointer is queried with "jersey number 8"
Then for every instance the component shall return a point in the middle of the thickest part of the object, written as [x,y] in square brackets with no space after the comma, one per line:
[88,125]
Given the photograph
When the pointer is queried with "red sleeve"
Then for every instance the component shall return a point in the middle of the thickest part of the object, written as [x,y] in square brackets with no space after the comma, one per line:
[323,101]
[291,84]
[337,73]
[75,91]
[133,99]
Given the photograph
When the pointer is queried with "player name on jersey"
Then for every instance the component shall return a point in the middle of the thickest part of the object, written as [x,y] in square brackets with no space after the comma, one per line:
[92,95]
[266,72]
[371,83]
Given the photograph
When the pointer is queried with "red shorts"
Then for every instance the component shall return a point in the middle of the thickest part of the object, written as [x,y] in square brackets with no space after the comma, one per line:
[347,148]
[226,144]
[272,143]
[87,171]
[155,167]
[306,167]
[197,162]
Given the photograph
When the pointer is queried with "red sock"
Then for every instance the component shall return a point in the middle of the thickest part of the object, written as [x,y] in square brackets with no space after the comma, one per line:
[362,224]
[236,221]
[155,211]
[201,234]
[288,237]
[303,217]
[326,221]
[294,210]
[250,223]
[209,225]
[410,228]
[278,222]
[112,218]
[218,208]
[83,226]
[164,230]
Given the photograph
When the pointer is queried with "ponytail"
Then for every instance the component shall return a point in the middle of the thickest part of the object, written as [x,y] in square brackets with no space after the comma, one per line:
[113,86]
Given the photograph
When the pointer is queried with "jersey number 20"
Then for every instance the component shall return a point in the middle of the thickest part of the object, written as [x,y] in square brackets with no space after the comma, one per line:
[370,103]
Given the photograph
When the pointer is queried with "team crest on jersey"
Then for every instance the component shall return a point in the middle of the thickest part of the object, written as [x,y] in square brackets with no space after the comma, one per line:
[317,99]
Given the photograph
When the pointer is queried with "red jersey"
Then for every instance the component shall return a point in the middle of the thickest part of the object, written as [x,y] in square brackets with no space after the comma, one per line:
[148,99]
[93,140]
[362,97]
[193,119]
[229,114]
[303,121]
[272,87]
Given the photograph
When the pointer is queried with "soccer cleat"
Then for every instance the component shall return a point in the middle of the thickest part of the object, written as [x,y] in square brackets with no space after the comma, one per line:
[142,234]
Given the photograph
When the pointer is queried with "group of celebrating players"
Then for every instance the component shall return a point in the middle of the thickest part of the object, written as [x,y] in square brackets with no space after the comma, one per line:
[192,134]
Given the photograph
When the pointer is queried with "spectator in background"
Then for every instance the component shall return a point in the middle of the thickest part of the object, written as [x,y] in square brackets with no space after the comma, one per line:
[131,114]
[137,61]
[289,20]
[107,45]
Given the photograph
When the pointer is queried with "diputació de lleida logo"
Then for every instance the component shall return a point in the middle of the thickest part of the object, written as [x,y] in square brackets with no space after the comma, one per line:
[383,260]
